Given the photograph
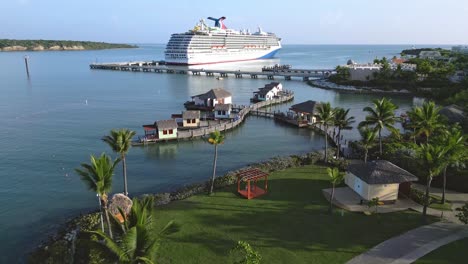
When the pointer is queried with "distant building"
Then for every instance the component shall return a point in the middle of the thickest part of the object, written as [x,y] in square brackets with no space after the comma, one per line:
[306,111]
[460,49]
[454,114]
[268,92]
[212,97]
[191,118]
[458,76]
[430,54]
[362,72]
[378,179]
[167,129]
[222,111]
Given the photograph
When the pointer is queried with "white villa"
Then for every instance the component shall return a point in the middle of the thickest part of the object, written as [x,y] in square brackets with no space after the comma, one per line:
[191,118]
[268,92]
[167,129]
[378,179]
[222,111]
[212,98]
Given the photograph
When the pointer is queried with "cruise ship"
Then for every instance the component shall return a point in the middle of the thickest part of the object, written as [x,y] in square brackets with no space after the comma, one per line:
[205,44]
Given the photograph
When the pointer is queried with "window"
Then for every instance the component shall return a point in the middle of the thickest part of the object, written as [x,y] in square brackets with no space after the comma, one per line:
[164,132]
[189,121]
[219,112]
[194,121]
[171,131]
[224,112]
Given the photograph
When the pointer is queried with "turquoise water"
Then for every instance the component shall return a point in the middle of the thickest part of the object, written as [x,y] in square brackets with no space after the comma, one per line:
[48,129]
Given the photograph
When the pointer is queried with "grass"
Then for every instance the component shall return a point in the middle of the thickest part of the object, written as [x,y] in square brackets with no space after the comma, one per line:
[447,206]
[290,224]
[454,252]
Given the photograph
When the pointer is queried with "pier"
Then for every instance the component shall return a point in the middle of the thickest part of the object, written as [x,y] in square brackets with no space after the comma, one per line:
[241,113]
[286,74]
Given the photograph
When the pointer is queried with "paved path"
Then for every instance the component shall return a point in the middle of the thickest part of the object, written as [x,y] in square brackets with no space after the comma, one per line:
[412,245]
[456,198]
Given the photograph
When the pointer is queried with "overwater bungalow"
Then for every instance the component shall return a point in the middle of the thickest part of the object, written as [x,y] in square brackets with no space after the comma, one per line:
[167,129]
[305,111]
[222,111]
[268,92]
[209,100]
[191,119]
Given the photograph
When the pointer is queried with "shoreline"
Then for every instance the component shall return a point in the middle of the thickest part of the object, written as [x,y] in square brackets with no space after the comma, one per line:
[64,238]
[327,85]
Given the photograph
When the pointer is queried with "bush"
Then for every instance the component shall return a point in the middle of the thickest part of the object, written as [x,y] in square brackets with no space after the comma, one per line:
[463,214]
[243,253]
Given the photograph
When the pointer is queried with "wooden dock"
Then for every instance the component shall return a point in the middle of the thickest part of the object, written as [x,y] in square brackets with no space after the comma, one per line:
[287,74]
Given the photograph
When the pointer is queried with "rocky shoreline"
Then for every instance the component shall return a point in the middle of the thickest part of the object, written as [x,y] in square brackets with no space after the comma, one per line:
[60,248]
[41,48]
[325,84]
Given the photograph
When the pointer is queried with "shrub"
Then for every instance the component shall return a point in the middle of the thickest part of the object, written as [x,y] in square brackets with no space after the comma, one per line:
[463,214]
[243,253]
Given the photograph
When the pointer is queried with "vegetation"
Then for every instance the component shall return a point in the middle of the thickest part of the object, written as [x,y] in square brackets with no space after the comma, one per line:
[138,242]
[216,138]
[248,255]
[463,214]
[381,115]
[368,137]
[425,119]
[336,177]
[120,142]
[454,252]
[98,178]
[325,116]
[47,44]
[342,122]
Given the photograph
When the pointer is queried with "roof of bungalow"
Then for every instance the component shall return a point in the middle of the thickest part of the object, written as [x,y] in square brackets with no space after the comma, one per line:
[264,90]
[191,114]
[214,93]
[453,113]
[381,172]
[222,107]
[166,124]
[305,107]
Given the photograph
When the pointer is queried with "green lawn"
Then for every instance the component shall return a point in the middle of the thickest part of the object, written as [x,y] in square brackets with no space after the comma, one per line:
[454,252]
[288,225]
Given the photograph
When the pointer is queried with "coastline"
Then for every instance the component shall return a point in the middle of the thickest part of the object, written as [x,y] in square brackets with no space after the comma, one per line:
[61,244]
[327,85]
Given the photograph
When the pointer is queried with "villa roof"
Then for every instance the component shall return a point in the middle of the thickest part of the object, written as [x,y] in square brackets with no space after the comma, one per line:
[166,124]
[191,114]
[217,93]
[381,172]
[223,107]
[453,113]
[305,107]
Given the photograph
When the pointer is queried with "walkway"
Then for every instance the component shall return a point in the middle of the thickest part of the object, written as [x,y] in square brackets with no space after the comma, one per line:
[412,245]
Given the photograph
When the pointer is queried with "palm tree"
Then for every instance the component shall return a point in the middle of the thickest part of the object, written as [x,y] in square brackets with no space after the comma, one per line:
[336,177]
[120,142]
[432,157]
[456,152]
[382,115]
[138,242]
[368,140]
[325,116]
[98,178]
[215,139]
[425,119]
[342,122]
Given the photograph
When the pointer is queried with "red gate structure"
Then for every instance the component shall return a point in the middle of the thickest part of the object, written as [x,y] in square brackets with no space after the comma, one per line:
[250,177]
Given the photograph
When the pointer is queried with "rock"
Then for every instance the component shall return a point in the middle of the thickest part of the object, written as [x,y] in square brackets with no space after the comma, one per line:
[14,48]
[37,48]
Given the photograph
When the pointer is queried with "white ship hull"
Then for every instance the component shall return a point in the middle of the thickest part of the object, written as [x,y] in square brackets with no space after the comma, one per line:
[220,56]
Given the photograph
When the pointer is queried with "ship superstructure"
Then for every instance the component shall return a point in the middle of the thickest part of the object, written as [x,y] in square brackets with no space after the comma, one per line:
[204,44]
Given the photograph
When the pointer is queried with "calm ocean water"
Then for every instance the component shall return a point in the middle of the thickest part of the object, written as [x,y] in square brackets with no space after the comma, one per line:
[48,129]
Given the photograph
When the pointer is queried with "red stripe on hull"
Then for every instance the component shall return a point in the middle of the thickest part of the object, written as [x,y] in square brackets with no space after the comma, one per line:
[187,64]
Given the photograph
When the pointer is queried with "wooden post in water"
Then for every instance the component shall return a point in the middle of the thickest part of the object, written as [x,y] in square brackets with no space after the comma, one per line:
[26,58]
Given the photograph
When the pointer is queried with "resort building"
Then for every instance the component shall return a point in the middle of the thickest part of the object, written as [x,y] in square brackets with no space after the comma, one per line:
[222,111]
[305,111]
[460,49]
[268,92]
[430,55]
[363,72]
[191,118]
[167,129]
[213,97]
[378,179]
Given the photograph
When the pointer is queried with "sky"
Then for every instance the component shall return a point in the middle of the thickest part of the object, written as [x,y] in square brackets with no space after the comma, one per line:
[295,21]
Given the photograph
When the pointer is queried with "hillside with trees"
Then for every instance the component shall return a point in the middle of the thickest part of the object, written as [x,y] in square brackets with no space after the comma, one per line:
[40,45]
